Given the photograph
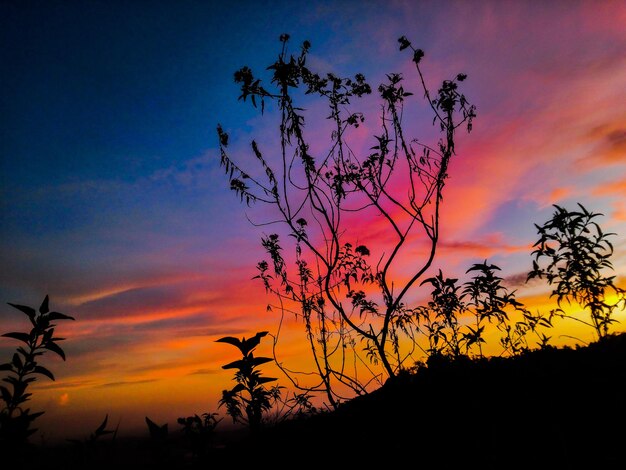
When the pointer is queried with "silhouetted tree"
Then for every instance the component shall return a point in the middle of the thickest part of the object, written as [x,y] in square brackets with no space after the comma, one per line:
[354,312]
[572,254]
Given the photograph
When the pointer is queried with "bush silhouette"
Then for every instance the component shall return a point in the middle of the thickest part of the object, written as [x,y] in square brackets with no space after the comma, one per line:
[572,254]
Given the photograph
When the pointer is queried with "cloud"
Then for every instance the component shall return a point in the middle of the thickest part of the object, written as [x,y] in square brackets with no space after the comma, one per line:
[614,188]
[63,384]
[204,372]
[486,247]
[126,382]
[608,143]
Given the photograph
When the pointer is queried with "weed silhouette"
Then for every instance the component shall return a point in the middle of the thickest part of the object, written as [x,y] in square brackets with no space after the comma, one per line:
[247,401]
[23,369]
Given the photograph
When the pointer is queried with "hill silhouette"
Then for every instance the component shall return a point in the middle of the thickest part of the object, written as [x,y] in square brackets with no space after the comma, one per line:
[552,408]
[561,408]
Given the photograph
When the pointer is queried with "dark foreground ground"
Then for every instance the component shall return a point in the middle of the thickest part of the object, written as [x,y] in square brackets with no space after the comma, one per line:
[555,408]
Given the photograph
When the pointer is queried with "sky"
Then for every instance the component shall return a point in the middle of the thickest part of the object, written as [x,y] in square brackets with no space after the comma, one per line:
[113,202]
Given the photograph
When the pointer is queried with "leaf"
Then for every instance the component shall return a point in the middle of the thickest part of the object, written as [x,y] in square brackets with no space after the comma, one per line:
[100,429]
[34,416]
[6,395]
[235,365]
[156,431]
[17,361]
[44,306]
[52,346]
[230,340]
[58,316]
[260,360]
[262,380]
[6,366]
[27,310]
[42,370]
[238,388]
[19,336]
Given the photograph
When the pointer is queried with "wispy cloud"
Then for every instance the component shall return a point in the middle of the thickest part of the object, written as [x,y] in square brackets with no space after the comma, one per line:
[126,382]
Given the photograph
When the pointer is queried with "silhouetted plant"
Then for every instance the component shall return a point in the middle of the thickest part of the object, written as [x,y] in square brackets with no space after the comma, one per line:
[198,431]
[486,299]
[15,419]
[247,401]
[489,301]
[572,254]
[352,312]
[100,431]
[159,443]
[440,317]
[516,338]
[158,433]
[88,451]
[298,405]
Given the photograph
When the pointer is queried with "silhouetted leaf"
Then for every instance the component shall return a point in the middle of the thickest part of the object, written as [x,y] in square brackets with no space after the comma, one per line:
[42,370]
[52,346]
[33,416]
[262,380]
[230,340]
[6,395]
[103,425]
[156,431]
[44,306]
[238,388]
[20,336]
[260,360]
[58,316]
[27,310]
[235,365]
[17,361]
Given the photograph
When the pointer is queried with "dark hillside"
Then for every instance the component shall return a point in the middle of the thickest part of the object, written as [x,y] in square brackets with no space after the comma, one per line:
[559,408]
[553,408]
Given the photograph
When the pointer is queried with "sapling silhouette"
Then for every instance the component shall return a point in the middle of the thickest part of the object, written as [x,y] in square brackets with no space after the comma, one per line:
[247,401]
[572,254]
[23,369]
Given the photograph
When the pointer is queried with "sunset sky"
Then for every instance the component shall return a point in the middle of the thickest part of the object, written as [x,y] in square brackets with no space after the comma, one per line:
[113,203]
